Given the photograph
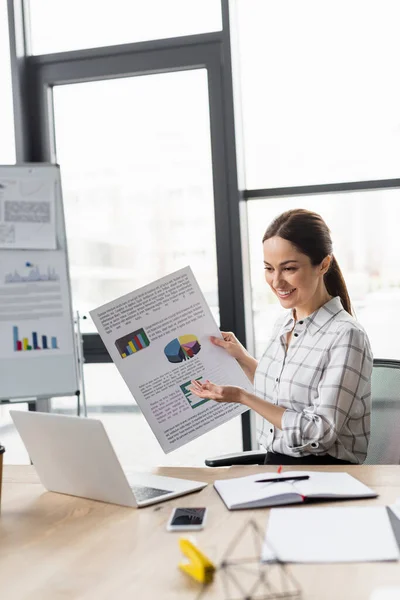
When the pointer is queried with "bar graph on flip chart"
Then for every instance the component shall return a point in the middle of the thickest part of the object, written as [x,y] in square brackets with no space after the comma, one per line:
[35,342]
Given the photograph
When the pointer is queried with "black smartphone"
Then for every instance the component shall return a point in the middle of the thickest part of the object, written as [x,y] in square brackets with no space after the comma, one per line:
[187,519]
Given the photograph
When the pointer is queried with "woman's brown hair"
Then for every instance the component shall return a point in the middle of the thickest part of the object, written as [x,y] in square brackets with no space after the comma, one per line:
[309,233]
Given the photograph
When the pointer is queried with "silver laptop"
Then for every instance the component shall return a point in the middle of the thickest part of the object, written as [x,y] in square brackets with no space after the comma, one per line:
[74,455]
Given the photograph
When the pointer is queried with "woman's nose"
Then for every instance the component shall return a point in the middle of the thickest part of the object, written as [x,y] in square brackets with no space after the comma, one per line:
[279,281]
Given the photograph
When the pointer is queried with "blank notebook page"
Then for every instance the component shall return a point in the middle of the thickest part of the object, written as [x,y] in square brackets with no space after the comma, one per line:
[335,484]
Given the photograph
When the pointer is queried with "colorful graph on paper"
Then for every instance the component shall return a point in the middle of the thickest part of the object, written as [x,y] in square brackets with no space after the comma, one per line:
[132,343]
[37,342]
[182,348]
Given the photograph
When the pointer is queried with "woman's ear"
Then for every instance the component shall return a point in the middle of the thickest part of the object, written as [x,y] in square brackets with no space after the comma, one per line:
[326,263]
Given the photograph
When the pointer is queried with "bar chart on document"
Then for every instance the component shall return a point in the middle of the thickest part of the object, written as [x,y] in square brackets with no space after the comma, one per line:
[32,304]
[132,343]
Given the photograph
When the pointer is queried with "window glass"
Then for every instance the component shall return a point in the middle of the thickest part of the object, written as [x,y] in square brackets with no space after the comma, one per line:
[61,26]
[7,139]
[135,158]
[366,243]
[320,94]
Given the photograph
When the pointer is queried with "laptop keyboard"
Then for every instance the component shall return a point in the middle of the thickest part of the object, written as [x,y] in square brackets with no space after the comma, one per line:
[143,493]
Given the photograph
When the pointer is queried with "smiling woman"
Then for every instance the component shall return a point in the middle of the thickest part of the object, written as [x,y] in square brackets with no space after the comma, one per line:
[312,386]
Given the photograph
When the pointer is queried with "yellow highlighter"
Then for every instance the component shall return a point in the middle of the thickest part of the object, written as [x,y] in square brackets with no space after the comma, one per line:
[198,566]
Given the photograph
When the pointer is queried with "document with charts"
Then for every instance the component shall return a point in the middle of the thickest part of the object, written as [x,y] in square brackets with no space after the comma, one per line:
[158,337]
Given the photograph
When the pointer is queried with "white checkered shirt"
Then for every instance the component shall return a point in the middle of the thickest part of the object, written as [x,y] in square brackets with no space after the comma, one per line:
[324,383]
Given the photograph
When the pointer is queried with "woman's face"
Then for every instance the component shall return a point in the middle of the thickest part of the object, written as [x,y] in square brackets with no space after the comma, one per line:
[291,276]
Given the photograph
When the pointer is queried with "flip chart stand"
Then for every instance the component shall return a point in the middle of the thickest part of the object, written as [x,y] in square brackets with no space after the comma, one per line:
[81,360]
[247,578]
[43,404]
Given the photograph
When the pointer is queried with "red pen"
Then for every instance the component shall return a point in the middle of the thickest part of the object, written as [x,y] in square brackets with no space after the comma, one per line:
[280,469]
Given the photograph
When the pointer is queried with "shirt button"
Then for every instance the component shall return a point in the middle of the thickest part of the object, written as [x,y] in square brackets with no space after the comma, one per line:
[314,445]
[301,322]
[271,430]
[295,334]
[277,379]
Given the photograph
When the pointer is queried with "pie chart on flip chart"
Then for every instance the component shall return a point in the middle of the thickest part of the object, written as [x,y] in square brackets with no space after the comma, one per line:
[182,348]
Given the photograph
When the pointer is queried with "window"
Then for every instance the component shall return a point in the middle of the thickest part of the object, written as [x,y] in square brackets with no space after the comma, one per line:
[135,159]
[320,95]
[75,24]
[7,140]
[366,243]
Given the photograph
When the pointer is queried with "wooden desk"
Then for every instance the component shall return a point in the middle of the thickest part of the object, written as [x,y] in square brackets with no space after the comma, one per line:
[55,547]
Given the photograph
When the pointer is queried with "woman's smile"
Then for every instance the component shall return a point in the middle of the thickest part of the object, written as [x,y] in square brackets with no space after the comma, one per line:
[285,293]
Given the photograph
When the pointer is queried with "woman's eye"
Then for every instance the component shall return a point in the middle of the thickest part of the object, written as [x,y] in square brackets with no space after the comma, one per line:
[268,269]
[289,269]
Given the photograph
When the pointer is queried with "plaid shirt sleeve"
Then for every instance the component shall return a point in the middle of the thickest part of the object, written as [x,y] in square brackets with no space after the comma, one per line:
[342,395]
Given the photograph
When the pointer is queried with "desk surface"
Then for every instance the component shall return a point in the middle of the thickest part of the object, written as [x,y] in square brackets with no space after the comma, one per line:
[55,547]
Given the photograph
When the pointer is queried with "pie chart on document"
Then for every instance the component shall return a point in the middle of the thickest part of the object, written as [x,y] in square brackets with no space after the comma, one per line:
[182,348]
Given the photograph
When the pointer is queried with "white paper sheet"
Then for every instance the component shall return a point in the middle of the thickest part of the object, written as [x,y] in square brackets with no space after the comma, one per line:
[386,593]
[27,218]
[158,337]
[328,535]
[34,305]
[395,508]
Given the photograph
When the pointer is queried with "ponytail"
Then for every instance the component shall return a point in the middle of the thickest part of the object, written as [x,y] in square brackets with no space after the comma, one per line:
[336,286]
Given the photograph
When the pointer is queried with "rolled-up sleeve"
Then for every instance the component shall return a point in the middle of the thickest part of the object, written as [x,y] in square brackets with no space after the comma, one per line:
[343,394]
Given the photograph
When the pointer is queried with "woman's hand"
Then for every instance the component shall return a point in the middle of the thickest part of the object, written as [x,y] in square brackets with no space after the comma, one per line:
[232,393]
[231,344]
[219,393]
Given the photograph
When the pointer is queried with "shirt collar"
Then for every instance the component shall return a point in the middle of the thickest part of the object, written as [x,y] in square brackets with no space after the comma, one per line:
[317,319]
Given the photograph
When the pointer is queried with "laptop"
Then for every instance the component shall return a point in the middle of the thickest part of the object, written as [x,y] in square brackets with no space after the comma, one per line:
[74,455]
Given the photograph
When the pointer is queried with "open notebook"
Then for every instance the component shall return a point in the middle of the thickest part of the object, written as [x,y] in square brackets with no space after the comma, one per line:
[246,492]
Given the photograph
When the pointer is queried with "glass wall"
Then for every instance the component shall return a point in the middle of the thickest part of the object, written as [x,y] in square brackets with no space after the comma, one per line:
[320,91]
[74,24]
[136,167]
